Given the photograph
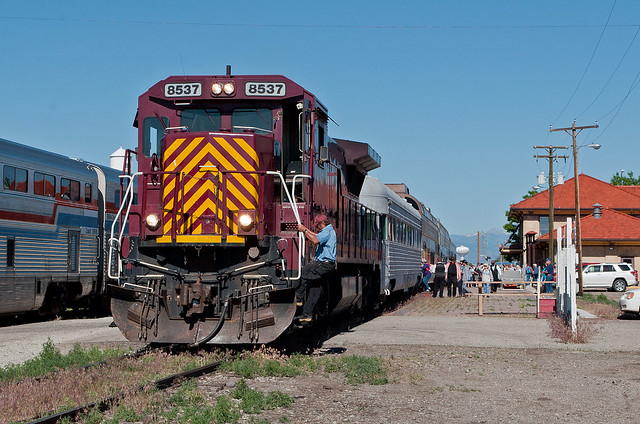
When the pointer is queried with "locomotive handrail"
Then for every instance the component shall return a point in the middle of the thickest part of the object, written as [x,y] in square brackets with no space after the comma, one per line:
[301,237]
[116,243]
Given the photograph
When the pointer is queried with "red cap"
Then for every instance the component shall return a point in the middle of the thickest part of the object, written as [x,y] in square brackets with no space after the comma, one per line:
[319,218]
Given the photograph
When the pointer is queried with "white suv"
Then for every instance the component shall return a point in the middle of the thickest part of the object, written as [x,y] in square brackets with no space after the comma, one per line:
[615,277]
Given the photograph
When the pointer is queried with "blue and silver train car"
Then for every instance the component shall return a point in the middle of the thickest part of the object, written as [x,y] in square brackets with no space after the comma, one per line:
[431,251]
[53,215]
[401,237]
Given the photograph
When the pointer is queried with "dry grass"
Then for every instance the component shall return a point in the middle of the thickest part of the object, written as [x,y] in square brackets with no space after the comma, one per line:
[585,329]
[75,386]
[602,310]
[600,306]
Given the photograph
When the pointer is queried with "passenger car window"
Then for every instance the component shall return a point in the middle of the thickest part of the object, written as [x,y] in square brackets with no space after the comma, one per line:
[608,268]
[44,184]
[593,268]
[624,267]
[14,178]
[87,192]
[69,189]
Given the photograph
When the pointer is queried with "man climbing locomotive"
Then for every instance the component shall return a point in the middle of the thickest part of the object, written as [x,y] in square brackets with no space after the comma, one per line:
[321,267]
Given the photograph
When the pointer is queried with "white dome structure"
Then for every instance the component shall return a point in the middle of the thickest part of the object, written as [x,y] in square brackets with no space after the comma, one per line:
[462,250]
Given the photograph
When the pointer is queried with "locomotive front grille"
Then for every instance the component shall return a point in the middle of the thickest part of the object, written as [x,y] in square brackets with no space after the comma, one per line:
[202,194]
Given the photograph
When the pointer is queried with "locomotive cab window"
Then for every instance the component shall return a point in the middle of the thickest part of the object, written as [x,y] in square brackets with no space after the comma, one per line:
[258,120]
[14,179]
[69,189]
[153,132]
[44,184]
[200,119]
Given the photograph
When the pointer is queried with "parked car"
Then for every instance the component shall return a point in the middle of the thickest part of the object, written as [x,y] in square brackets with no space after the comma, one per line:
[630,302]
[610,276]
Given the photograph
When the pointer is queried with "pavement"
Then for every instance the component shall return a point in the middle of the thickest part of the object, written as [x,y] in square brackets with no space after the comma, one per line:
[508,322]
[484,331]
[21,342]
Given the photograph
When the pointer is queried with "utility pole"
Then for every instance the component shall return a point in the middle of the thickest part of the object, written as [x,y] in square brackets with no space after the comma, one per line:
[478,259]
[574,134]
[551,157]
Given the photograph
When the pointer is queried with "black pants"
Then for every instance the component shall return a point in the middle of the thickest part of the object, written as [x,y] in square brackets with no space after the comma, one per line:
[312,275]
[452,283]
[494,287]
[438,285]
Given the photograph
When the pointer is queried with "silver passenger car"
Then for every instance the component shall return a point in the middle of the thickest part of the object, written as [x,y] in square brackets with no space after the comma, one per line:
[53,215]
[401,237]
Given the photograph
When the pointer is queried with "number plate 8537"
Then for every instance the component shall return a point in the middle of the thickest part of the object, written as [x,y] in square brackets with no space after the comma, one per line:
[271,89]
[187,89]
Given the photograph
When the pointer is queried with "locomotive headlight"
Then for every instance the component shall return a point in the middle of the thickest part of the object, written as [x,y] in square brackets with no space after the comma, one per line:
[152,221]
[245,221]
[229,88]
[216,88]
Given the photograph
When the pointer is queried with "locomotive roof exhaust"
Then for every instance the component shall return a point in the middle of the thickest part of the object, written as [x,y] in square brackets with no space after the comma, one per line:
[228,70]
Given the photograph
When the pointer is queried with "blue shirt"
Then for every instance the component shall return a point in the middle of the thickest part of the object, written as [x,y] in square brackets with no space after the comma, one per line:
[548,270]
[326,250]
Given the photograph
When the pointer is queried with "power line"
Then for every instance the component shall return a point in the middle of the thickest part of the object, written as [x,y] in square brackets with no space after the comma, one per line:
[312,26]
[611,77]
[634,84]
[588,64]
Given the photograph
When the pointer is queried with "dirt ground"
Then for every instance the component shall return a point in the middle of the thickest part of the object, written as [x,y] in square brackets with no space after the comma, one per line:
[469,384]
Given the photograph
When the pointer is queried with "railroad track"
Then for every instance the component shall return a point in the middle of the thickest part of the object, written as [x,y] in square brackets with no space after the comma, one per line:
[106,403]
[161,384]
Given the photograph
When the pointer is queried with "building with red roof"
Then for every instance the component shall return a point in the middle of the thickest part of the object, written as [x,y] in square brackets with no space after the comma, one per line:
[612,235]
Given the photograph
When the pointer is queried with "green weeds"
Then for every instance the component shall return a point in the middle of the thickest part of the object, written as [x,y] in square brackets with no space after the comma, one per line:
[51,359]
[601,298]
[356,369]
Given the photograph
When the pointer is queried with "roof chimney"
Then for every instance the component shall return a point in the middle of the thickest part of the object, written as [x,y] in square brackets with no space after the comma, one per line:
[597,213]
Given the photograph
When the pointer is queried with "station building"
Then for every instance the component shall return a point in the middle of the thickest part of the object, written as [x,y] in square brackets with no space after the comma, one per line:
[610,222]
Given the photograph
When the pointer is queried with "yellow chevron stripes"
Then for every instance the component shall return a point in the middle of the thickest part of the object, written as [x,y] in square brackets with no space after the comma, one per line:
[198,168]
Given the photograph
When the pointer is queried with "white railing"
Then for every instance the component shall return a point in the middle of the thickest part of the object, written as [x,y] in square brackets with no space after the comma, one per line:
[115,243]
[294,207]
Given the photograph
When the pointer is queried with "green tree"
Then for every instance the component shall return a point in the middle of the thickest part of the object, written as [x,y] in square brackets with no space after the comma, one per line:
[512,227]
[628,179]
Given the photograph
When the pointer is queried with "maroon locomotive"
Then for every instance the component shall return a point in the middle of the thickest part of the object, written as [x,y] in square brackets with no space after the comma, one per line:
[227,167]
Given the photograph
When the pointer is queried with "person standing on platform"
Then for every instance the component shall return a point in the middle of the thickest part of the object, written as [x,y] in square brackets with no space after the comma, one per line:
[485,276]
[453,274]
[438,279]
[548,274]
[467,275]
[496,275]
[528,274]
[426,274]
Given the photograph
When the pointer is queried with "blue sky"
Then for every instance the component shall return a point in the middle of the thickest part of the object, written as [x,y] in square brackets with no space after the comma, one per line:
[452,94]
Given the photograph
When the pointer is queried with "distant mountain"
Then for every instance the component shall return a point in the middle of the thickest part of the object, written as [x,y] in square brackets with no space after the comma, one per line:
[489,244]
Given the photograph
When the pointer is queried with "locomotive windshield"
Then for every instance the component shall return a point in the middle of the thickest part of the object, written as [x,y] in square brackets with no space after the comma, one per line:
[201,119]
[258,120]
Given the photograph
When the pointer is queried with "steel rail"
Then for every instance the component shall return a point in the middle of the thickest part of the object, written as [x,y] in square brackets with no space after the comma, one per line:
[106,403]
